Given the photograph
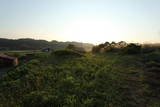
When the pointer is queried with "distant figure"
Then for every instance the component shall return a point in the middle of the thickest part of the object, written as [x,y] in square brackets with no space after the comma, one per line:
[6,60]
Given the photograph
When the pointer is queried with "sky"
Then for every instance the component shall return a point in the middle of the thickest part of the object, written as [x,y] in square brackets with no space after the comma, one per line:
[93,21]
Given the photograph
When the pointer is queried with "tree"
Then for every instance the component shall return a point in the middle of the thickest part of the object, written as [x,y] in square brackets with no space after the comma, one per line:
[96,49]
[71,46]
[122,44]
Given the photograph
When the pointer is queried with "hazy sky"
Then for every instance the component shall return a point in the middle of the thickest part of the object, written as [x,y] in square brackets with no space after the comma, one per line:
[92,21]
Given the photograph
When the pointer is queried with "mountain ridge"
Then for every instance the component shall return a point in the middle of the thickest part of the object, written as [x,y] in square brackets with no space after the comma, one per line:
[33,44]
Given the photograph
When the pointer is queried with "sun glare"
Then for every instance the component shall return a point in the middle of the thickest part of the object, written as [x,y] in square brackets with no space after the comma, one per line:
[92,31]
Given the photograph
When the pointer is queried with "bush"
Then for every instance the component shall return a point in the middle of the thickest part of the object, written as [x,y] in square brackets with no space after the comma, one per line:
[153,69]
[96,49]
[39,99]
[61,53]
[147,49]
[132,49]
[154,56]
[152,64]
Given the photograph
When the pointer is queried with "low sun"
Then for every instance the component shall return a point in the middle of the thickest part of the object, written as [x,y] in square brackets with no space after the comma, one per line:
[91,31]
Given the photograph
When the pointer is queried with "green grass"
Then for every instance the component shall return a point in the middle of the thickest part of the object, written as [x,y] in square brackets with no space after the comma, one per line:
[20,53]
[103,80]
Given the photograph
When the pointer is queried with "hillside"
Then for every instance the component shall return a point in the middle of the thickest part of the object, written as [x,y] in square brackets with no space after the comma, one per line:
[71,79]
[31,44]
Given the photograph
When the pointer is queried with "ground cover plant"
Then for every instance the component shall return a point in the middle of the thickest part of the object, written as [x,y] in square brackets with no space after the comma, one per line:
[75,79]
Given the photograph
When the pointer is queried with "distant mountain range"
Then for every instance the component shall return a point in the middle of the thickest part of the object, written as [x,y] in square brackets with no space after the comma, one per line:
[32,44]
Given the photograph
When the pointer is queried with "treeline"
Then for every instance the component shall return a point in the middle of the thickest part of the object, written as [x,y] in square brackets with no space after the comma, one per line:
[126,48]
[32,44]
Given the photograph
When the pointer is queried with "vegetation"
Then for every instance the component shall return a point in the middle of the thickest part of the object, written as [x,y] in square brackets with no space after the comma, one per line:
[120,47]
[31,44]
[67,53]
[114,75]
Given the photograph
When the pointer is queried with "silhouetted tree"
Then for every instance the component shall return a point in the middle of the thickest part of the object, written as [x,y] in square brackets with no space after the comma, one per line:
[96,49]
[122,44]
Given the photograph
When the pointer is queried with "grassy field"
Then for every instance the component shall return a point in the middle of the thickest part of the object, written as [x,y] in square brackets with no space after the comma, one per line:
[91,80]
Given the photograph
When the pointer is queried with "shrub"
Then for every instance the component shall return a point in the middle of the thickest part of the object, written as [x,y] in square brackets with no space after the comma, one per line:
[147,49]
[75,48]
[153,69]
[154,56]
[132,49]
[66,52]
[152,64]
[96,49]
[39,99]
